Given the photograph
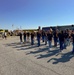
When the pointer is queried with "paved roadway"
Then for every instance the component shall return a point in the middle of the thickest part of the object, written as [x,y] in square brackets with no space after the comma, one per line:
[24,59]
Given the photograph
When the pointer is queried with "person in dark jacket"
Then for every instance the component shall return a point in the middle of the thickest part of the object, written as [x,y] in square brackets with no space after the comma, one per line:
[38,37]
[24,36]
[66,36]
[61,40]
[20,34]
[49,36]
[32,38]
[28,35]
[55,34]
[43,35]
[45,38]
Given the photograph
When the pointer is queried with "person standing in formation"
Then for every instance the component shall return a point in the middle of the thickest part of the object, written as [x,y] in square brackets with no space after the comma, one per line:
[20,34]
[28,35]
[24,37]
[55,34]
[66,36]
[45,38]
[43,35]
[38,37]
[32,38]
[61,40]
[49,36]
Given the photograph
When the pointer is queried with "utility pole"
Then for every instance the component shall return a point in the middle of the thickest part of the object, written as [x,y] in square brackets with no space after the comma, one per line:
[12,27]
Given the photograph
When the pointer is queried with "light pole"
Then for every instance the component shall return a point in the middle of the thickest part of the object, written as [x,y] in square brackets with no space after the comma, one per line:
[12,27]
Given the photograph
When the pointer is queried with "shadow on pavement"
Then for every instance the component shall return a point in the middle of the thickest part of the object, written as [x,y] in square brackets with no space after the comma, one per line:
[27,48]
[50,53]
[37,51]
[64,58]
[12,44]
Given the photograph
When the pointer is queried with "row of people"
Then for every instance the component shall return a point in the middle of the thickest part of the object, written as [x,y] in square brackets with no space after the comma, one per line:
[63,37]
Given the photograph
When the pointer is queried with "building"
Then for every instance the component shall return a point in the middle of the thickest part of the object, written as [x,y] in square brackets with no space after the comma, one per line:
[59,27]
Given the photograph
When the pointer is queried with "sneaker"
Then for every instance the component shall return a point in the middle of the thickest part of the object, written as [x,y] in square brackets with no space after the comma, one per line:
[21,42]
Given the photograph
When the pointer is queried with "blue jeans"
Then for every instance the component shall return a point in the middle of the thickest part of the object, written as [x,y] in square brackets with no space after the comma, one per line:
[61,45]
[68,42]
[55,41]
[65,43]
[32,41]
[20,39]
[58,41]
[43,38]
[49,42]
[24,39]
[38,39]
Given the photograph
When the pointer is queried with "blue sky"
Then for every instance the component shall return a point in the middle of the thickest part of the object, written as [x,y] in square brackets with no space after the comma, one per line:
[29,14]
